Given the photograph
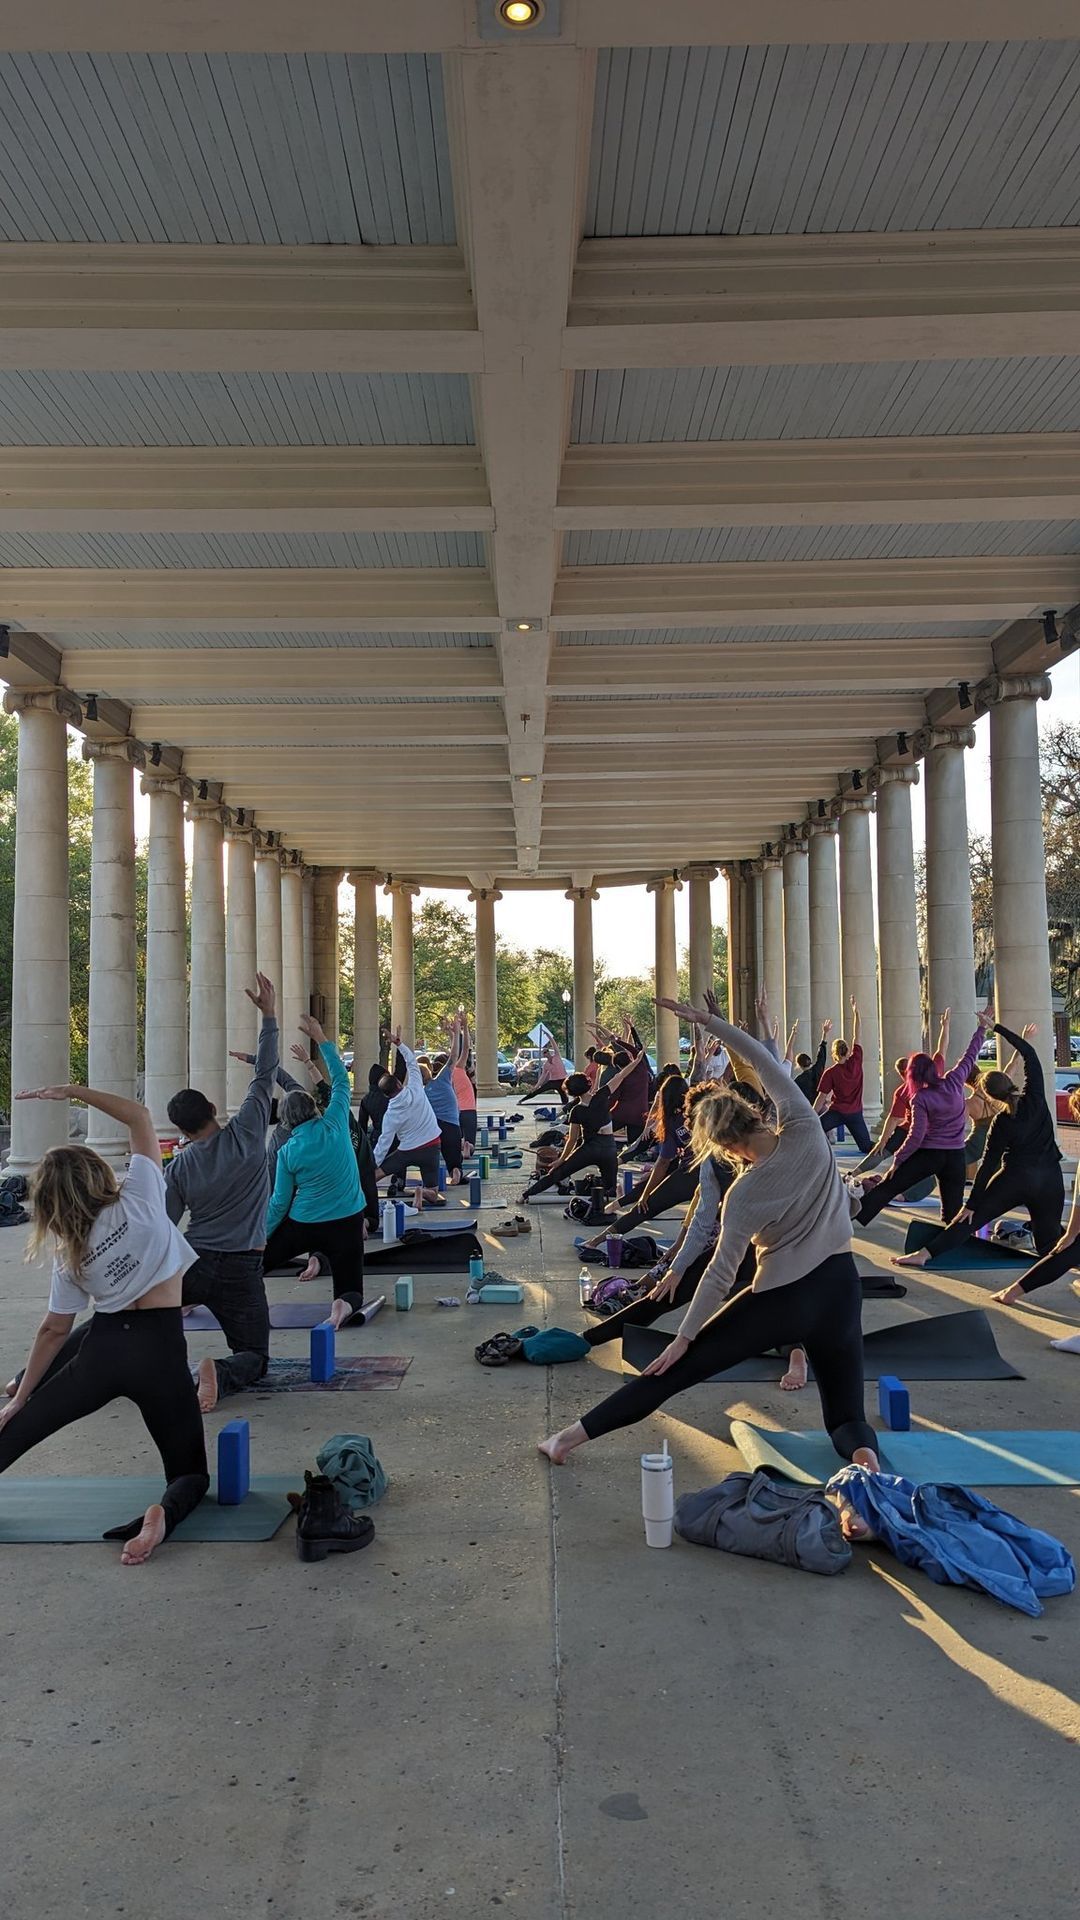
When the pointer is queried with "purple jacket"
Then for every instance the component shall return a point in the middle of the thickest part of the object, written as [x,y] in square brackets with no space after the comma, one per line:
[939,1114]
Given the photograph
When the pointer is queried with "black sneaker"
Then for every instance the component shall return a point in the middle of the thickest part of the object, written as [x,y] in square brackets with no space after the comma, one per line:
[325,1525]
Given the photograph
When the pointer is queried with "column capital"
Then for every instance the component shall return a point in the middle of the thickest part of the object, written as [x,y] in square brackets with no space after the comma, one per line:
[358,876]
[663,882]
[927,738]
[408,888]
[852,803]
[1012,686]
[333,876]
[816,823]
[699,872]
[771,854]
[292,861]
[267,845]
[878,777]
[486,893]
[237,828]
[209,810]
[56,700]
[795,837]
[582,893]
[127,752]
[175,783]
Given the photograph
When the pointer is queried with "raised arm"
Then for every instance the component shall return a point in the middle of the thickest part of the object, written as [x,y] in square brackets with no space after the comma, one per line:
[854,1023]
[253,1115]
[1034,1081]
[778,1084]
[942,1049]
[130,1113]
[617,1078]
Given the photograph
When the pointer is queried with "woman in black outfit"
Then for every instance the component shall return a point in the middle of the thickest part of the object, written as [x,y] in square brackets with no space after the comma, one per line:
[590,1141]
[673,1178]
[1020,1167]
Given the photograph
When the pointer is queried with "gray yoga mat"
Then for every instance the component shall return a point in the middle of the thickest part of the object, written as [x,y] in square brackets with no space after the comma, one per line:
[951,1346]
[285,1314]
[48,1511]
[999,1458]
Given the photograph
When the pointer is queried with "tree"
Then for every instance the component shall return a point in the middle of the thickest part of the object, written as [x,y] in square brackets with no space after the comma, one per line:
[1060,767]
[720,969]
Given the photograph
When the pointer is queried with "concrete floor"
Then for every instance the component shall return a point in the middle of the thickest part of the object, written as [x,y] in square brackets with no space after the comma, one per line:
[508,1701]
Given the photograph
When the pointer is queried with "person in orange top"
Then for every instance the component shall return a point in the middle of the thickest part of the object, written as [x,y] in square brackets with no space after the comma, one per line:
[840,1089]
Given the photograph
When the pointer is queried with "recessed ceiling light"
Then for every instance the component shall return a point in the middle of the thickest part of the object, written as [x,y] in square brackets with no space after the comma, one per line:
[524,626]
[526,778]
[521,13]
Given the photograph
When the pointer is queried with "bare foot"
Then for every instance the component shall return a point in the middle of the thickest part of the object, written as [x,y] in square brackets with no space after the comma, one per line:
[11,1389]
[794,1379]
[852,1525]
[455,1177]
[920,1258]
[339,1313]
[1011,1296]
[137,1552]
[559,1446]
[207,1386]
[311,1271]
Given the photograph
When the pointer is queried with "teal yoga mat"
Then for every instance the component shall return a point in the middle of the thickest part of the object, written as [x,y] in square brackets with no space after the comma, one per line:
[54,1512]
[971,1253]
[999,1458]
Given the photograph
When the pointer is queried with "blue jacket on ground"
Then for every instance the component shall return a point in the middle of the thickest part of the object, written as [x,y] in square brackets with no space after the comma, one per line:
[959,1539]
[316,1176]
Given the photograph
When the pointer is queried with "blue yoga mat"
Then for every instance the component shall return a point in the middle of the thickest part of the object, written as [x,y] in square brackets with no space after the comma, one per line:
[54,1511]
[999,1458]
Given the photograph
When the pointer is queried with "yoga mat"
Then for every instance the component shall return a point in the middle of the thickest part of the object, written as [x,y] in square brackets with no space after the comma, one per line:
[284,1314]
[355,1373]
[431,1221]
[47,1511]
[952,1346]
[972,1253]
[998,1458]
[439,1253]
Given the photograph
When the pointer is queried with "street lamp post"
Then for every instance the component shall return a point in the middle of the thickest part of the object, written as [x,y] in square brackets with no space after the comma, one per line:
[566,1022]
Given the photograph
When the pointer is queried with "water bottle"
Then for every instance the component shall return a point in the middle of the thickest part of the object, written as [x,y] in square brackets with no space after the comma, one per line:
[585,1286]
[657,1497]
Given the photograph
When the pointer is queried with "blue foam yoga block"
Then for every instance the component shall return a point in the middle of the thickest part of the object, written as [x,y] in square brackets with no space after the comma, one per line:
[403,1292]
[323,1359]
[476,1195]
[233,1463]
[894,1402]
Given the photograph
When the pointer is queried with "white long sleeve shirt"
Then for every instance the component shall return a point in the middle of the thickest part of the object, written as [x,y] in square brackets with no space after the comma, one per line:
[410,1115]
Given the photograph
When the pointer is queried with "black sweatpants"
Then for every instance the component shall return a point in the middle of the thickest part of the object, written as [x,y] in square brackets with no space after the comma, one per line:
[854,1123]
[1051,1267]
[342,1241]
[141,1356]
[822,1313]
[450,1139]
[232,1286]
[945,1165]
[1037,1186]
[673,1190]
[599,1152]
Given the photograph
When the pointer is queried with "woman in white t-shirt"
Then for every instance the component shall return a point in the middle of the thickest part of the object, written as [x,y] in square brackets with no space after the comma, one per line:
[115,1249]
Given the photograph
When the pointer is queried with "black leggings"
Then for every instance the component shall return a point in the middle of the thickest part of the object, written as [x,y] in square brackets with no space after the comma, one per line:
[673,1190]
[141,1356]
[944,1164]
[822,1313]
[426,1159]
[1050,1267]
[554,1089]
[450,1140]
[342,1241]
[468,1126]
[854,1123]
[599,1152]
[1035,1185]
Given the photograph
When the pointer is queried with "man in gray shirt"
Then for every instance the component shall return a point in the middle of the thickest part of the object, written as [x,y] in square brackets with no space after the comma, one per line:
[220,1178]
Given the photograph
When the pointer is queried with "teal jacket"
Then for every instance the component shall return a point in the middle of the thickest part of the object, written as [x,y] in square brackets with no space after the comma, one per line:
[317,1176]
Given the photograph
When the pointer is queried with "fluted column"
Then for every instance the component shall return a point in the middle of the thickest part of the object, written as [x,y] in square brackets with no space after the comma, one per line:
[700,881]
[294,1000]
[327,954]
[756,888]
[267,853]
[40,980]
[736,930]
[666,972]
[898,933]
[1022,983]
[950,951]
[772,928]
[824,933]
[112,1023]
[165,1040]
[309,936]
[584,969]
[796,941]
[486,1038]
[403,958]
[241,939]
[208,1026]
[858,954]
[365,1037]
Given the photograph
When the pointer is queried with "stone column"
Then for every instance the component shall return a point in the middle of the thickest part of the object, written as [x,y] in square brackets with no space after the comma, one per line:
[112,1025]
[294,1000]
[402,958]
[898,934]
[40,983]
[950,953]
[772,928]
[365,1036]
[824,934]
[208,1024]
[309,936]
[757,915]
[327,956]
[267,853]
[736,929]
[701,952]
[165,1042]
[584,970]
[1021,946]
[242,1021]
[486,1034]
[796,944]
[666,969]
[858,955]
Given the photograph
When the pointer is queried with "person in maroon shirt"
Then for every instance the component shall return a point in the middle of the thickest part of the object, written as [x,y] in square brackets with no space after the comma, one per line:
[840,1089]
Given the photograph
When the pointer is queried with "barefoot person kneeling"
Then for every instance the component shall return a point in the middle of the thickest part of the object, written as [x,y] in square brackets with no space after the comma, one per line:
[788,1201]
[116,1249]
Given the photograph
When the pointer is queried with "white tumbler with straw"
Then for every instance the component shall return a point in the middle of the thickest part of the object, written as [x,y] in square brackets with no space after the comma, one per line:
[657,1497]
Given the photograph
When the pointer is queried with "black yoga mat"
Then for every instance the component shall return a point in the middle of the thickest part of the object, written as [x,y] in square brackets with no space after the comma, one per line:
[970,1253]
[434,1252]
[951,1346]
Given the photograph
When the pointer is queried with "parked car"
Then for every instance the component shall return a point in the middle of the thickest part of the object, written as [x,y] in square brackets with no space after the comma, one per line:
[507,1070]
[526,1064]
[1066,1081]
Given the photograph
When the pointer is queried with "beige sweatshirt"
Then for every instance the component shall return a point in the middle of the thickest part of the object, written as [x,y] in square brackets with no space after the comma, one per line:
[793,1206]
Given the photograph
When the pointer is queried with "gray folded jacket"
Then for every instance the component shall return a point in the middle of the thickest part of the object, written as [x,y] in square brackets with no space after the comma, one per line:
[765,1519]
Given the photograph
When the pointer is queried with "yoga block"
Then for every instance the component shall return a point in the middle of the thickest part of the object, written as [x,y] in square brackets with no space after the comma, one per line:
[483,1137]
[442,1176]
[500,1293]
[502,1129]
[403,1293]
[233,1463]
[502,1158]
[627,1184]
[323,1361]
[894,1402]
[475,1191]
[485,1166]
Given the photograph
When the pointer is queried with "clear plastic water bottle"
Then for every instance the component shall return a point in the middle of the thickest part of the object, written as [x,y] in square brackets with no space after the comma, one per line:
[585,1286]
